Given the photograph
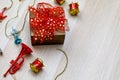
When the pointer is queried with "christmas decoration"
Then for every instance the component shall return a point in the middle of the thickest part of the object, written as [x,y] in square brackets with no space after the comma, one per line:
[36,65]
[74,9]
[47,28]
[16,64]
[60,1]
[2,16]
[15,34]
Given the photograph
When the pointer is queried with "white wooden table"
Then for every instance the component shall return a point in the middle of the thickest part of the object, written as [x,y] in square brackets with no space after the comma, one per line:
[92,44]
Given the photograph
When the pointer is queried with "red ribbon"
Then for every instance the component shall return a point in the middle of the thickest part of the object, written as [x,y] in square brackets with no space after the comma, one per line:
[45,20]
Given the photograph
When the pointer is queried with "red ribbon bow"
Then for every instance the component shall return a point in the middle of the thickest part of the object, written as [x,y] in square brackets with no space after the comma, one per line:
[47,19]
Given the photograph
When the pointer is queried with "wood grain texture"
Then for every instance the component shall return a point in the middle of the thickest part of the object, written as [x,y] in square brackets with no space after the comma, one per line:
[92,45]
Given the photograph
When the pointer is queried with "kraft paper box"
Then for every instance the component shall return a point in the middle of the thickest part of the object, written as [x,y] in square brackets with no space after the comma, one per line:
[43,35]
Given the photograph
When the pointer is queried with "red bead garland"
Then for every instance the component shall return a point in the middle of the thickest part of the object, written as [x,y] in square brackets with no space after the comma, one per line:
[46,20]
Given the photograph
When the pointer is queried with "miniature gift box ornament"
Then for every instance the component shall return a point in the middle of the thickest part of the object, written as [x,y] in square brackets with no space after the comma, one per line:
[47,24]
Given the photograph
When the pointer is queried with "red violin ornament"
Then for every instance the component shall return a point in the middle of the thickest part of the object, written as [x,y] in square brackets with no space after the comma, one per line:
[74,9]
[60,1]
[16,64]
[45,20]
[36,65]
[2,16]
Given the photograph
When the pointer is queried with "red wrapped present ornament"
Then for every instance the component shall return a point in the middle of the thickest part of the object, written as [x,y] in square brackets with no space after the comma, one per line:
[36,65]
[47,24]
[74,9]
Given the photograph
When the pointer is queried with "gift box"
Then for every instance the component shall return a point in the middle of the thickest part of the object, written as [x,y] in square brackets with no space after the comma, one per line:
[47,24]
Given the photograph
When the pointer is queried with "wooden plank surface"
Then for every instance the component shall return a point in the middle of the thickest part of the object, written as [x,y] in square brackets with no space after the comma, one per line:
[92,44]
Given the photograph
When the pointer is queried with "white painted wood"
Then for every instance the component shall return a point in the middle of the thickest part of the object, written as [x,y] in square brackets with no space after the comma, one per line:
[92,44]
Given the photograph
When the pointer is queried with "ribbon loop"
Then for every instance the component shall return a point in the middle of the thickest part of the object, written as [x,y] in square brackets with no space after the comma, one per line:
[46,19]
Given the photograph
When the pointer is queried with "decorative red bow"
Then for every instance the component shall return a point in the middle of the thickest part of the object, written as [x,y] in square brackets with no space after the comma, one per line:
[47,19]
